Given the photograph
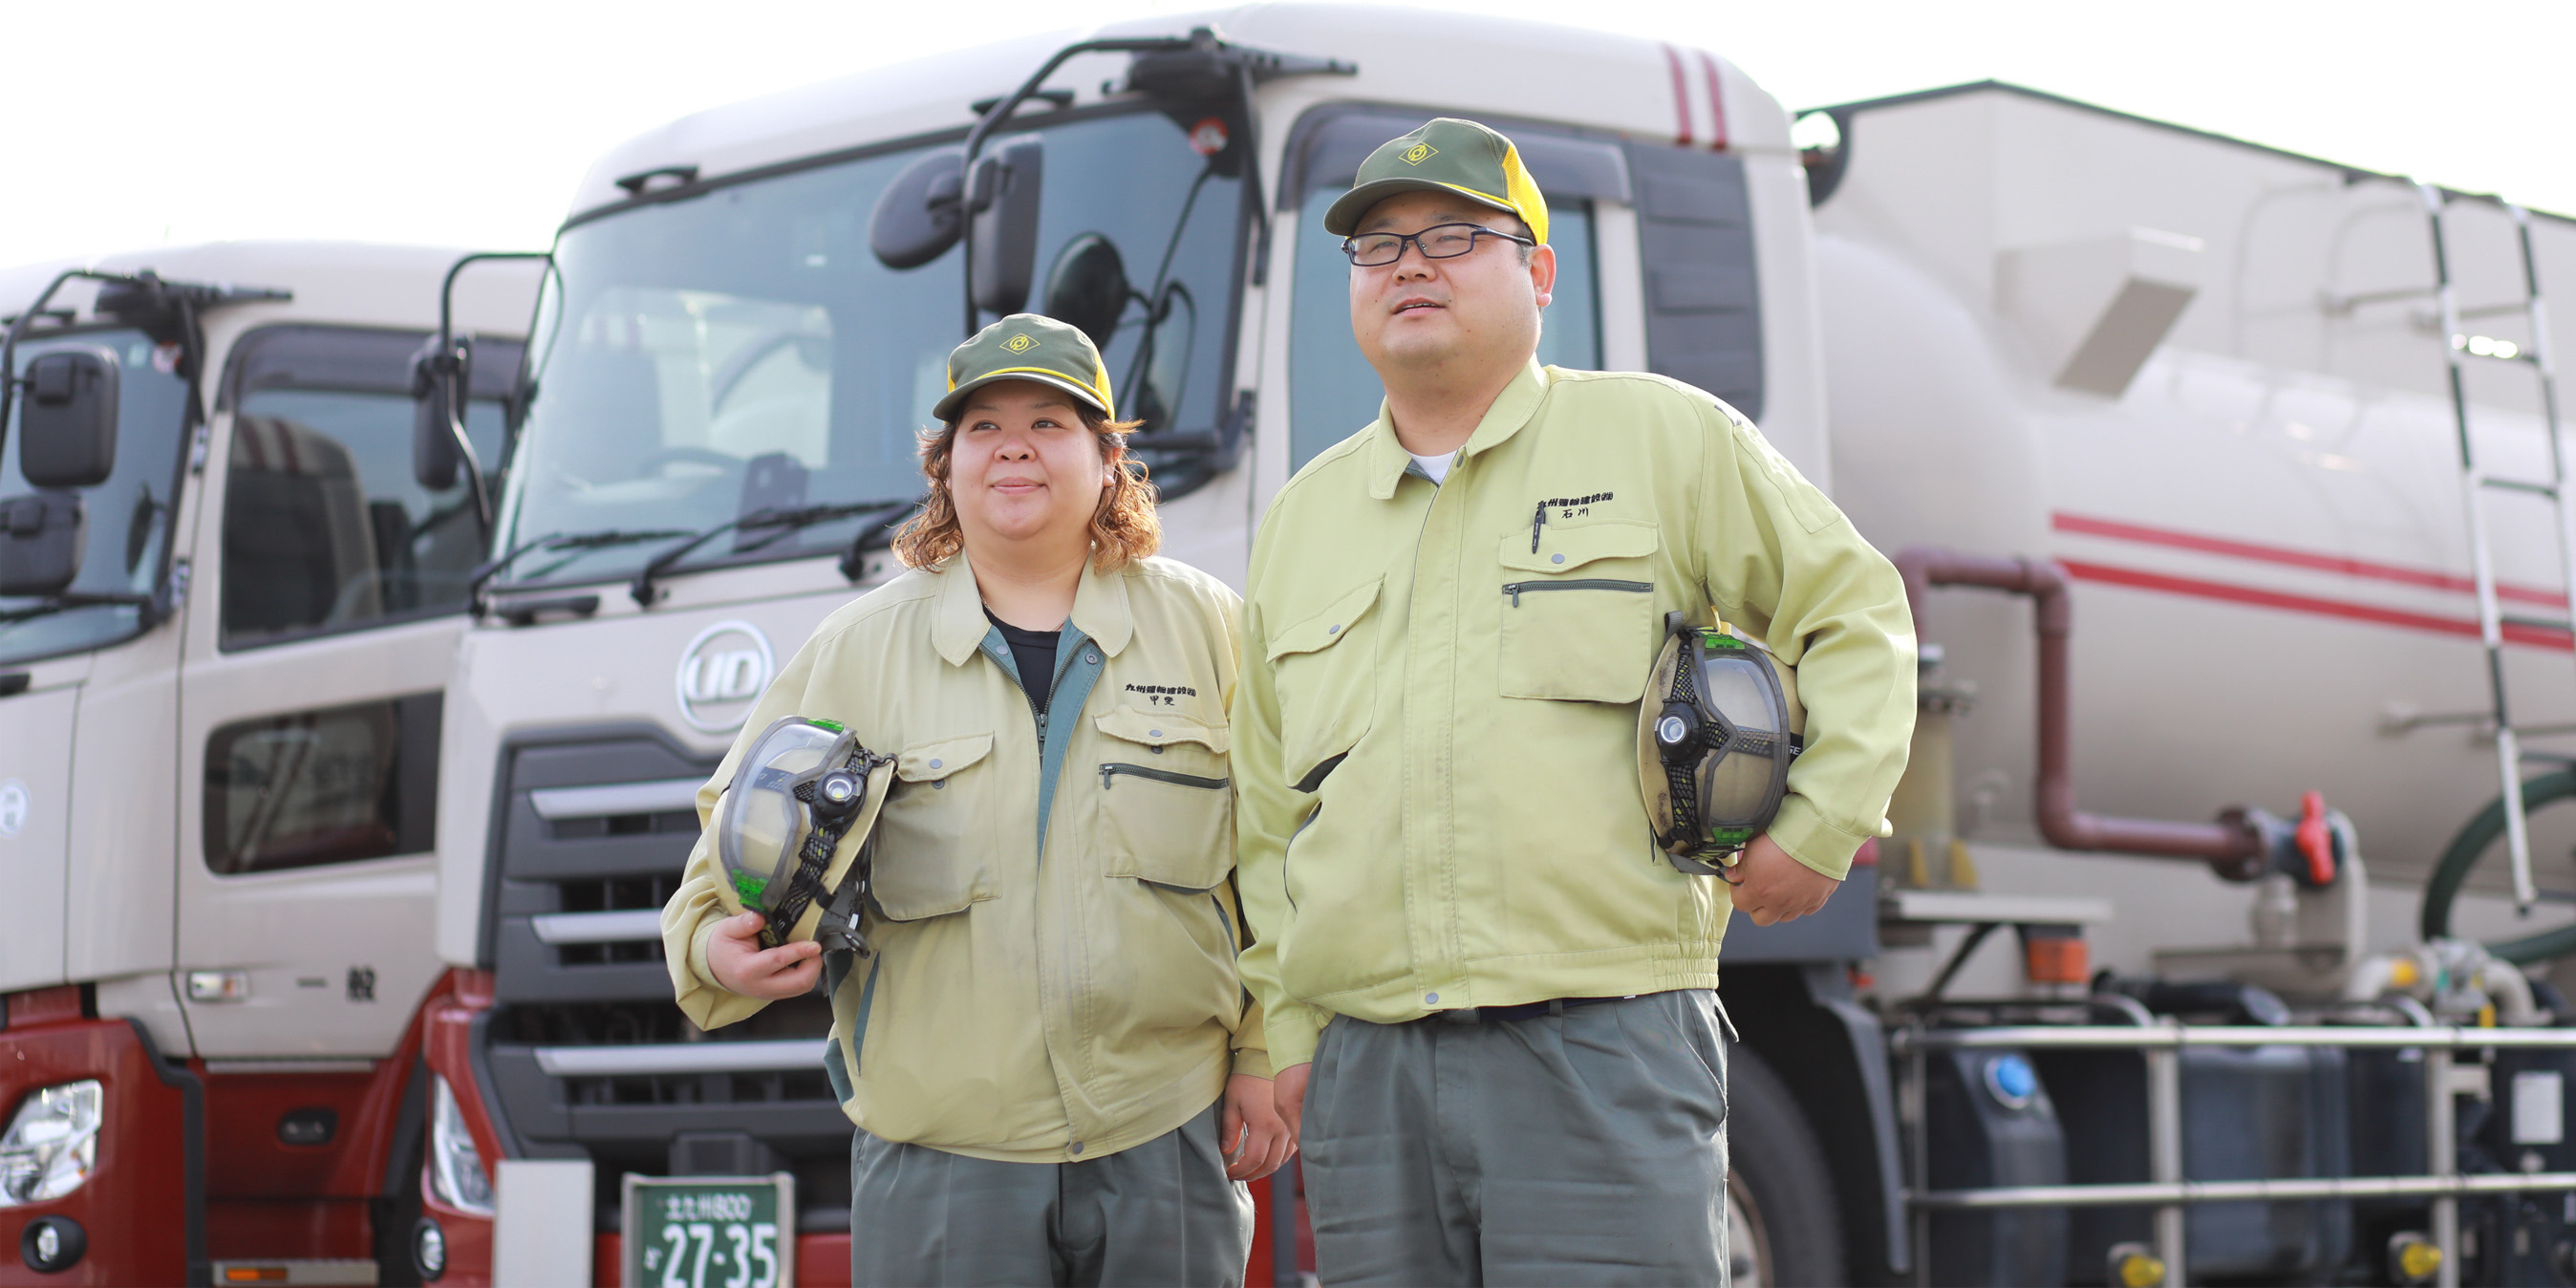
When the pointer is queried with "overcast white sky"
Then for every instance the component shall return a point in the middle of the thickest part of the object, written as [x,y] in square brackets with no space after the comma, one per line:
[466,122]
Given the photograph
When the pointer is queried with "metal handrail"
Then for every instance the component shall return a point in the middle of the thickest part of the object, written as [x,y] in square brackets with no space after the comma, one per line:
[2161,1046]
[2167,1036]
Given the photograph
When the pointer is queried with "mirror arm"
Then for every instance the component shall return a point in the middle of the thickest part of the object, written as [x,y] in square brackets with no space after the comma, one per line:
[452,365]
[9,380]
[188,297]
[1009,103]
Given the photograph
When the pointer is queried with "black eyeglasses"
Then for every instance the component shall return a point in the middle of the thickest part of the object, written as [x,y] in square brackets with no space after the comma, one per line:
[1439,241]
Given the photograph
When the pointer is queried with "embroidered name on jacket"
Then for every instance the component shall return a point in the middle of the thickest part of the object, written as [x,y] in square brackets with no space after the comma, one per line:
[1163,694]
[1575,507]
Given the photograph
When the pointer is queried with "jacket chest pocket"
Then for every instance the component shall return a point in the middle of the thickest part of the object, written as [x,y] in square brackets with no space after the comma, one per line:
[1166,802]
[936,836]
[1578,613]
[1327,684]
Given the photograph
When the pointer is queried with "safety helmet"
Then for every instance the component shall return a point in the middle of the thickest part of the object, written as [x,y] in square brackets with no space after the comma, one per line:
[1715,734]
[792,830]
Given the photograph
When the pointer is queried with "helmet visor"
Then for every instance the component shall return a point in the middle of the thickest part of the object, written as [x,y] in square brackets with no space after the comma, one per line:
[1740,781]
[761,824]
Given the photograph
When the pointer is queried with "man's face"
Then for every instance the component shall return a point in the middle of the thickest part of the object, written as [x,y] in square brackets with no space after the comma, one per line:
[1472,311]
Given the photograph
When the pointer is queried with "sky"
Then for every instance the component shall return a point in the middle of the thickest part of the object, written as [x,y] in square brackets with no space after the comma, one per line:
[467,122]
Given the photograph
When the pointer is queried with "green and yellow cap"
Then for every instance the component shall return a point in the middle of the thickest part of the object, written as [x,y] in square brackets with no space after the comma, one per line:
[1445,155]
[1027,346]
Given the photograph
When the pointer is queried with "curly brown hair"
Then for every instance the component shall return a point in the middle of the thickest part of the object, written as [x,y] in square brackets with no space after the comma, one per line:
[1123,525]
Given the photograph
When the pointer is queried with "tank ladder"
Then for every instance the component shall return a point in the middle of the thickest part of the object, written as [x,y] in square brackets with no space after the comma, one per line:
[2476,484]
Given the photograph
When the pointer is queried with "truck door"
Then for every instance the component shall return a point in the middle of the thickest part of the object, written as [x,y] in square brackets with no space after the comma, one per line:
[310,698]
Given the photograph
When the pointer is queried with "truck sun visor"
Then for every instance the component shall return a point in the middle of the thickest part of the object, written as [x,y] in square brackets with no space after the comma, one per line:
[792,830]
[1715,734]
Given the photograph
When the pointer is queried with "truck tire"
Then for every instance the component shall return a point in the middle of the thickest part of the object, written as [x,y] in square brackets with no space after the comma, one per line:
[1784,1228]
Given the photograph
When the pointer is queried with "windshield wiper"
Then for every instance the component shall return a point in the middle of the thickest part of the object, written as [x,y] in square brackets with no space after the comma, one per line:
[63,602]
[484,572]
[787,523]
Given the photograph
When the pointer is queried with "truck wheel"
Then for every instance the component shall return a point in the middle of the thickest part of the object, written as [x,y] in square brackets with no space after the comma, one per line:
[1784,1229]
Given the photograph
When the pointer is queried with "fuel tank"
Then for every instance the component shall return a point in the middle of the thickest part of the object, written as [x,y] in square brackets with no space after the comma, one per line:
[2210,379]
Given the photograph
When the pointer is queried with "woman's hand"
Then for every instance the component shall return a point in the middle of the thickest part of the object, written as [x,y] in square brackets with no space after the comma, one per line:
[1256,1140]
[741,965]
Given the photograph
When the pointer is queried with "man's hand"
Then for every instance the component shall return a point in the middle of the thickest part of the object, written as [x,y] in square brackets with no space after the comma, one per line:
[1288,1091]
[1255,1140]
[741,965]
[1769,885]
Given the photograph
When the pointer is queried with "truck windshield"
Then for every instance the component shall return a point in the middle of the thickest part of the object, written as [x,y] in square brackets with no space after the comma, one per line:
[126,519]
[703,359]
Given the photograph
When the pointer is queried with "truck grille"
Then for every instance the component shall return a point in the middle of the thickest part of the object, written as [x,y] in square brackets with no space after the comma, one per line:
[585,1052]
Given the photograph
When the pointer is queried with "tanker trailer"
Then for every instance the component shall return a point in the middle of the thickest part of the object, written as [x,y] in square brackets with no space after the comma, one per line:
[2205,414]
[227,607]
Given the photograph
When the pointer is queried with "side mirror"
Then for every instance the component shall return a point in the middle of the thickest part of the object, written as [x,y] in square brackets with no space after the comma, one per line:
[1087,287]
[1002,201]
[918,216]
[68,430]
[435,378]
[41,536]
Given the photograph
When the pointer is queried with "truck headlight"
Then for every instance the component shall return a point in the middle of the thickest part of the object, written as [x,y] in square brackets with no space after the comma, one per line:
[52,1144]
[455,1167]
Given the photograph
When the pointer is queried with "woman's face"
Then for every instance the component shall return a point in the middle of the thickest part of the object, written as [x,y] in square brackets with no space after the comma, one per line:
[1025,472]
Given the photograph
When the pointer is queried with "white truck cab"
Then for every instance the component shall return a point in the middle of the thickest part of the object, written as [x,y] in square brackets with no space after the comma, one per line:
[228,610]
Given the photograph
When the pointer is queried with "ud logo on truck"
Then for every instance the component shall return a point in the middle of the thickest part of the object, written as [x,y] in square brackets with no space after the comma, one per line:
[722,672]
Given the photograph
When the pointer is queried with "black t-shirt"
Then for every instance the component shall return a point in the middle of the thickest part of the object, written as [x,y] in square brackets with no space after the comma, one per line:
[1035,652]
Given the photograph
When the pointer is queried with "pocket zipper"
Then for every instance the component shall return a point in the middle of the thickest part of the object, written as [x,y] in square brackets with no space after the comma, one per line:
[1514,588]
[1114,768]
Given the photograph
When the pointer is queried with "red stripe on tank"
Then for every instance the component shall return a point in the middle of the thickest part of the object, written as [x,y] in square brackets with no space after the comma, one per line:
[2347,610]
[2366,569]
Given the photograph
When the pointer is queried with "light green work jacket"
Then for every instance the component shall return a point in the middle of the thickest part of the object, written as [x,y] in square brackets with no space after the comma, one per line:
[1054,916]
[1436,735]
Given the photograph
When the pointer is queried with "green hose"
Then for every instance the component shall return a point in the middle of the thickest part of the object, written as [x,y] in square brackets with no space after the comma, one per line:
[2462,854]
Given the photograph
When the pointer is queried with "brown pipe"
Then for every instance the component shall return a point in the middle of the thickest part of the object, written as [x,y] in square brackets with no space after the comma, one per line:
[2231,845]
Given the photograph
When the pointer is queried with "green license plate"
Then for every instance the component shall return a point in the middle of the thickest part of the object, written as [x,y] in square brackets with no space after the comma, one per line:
[709,1232]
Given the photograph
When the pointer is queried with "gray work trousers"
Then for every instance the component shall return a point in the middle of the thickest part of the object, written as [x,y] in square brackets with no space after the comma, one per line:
[1584,1145]
[1161,1214]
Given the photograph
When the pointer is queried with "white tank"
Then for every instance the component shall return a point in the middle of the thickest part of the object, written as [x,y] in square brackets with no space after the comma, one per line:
[2199,373]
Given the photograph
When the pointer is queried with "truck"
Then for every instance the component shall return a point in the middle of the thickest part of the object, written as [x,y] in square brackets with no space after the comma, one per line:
[228,608]
[2227,483]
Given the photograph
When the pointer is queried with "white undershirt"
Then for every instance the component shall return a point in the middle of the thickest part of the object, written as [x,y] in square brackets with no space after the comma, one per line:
[1437,467]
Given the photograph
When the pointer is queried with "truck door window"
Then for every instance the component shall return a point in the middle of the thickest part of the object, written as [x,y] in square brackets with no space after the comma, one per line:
[127,518]
[325,528]
[1333,393]
[699,360]
[323,786]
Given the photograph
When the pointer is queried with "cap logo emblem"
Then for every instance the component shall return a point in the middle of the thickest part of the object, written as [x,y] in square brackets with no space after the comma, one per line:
[1419,153]
[1020,343]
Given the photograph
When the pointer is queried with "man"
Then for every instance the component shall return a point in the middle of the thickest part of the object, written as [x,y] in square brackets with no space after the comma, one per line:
[1490,996]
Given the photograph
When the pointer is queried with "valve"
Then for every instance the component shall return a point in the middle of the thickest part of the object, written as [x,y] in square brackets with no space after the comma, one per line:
[2132,1266]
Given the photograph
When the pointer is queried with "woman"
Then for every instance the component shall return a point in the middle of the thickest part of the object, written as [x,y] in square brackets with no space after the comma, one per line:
[1055,1073]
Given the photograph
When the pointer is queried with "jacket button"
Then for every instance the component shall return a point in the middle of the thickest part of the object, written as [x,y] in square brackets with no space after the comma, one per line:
[1077,1147]
[1092,658]
[1333,630]
[1556,559]
[1153,733]
[934,764]
[1431,998]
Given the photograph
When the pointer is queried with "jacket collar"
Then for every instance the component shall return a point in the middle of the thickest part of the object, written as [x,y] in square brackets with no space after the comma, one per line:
[1100,611]
[1512,409]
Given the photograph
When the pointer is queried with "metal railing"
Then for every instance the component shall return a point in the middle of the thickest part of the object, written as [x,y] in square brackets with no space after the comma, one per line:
[2161,1045]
